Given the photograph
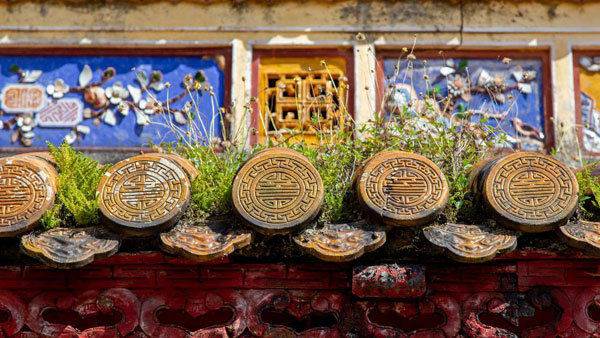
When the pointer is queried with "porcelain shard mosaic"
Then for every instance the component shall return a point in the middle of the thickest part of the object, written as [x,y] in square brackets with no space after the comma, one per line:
[107,101]
[505,94]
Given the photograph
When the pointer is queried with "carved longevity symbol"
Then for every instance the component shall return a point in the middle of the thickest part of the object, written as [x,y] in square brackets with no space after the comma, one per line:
[277,191]
[531,192]
[26,192]
[144,194]
[402,188]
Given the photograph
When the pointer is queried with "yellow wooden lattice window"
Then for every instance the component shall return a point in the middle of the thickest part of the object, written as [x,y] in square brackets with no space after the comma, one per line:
[300,97]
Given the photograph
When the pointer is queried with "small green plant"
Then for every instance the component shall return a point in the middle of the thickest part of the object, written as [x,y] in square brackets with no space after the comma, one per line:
[589,192]
[78,178]
[211,189]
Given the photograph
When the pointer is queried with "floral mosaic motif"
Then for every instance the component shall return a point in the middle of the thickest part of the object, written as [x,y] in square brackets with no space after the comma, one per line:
[589,104]
[107,101]
[503,93]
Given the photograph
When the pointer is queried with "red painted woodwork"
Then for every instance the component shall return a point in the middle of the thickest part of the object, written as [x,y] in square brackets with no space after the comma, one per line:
[153,295]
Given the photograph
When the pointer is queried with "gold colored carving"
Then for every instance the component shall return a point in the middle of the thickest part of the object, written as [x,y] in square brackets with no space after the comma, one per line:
[277,191]
[27,190]
[143,195]
[582,235]
[301,95]
[341,242]
[402,189]
[205,242]
[188,167]
[71,248]
[530,192]
[471,243]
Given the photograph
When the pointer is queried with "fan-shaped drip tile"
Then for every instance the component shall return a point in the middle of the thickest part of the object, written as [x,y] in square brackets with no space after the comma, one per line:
[71,248]
[471,243]
[582,235]
[341,242]
[212,240]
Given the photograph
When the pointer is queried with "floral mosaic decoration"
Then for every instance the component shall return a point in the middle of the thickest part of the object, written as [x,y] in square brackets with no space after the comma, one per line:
[34,106]
[495,92]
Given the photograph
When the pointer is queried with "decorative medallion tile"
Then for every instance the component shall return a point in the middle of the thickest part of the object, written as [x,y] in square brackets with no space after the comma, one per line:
[583,235]
[530,192]
[471,243]
[402,189]
[70,248]
[27,190]
[204,242]
[341,242]
[277,191]
[143,195]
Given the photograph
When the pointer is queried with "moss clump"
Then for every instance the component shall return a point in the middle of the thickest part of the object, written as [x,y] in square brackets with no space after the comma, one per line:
[78,178]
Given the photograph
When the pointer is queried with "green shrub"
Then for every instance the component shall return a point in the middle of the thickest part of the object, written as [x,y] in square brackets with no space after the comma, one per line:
[589,192]
[78,178]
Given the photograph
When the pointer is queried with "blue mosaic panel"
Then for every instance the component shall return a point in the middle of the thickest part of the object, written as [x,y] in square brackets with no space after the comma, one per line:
[107,101]
[507,93]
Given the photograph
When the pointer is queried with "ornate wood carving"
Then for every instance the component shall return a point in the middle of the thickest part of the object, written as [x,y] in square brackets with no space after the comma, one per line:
[70,248]
[44,155]
[12,305]
[341,242]
[299,304]
[143,195]
[514,308]
[583,235]
[194,303]
[471,243]
[27,190]
[204,242]
[277,191]
[302,96]
[185,164]
[389,281]
[530,192]
[429,306]
[88,303]
[402,189]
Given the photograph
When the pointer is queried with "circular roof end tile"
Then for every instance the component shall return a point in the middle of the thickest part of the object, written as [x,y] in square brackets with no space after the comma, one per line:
[402,189]
[530,192]
[277,191]
[143,195]
[27,190]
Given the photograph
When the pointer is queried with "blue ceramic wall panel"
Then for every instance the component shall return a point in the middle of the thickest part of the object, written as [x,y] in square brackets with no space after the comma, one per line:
[53,121]
[508,93]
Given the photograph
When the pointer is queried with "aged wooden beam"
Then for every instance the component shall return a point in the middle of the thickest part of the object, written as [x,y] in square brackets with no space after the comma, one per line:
[277,191]
[402,189]
[143,195]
